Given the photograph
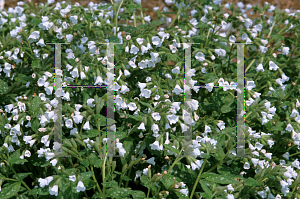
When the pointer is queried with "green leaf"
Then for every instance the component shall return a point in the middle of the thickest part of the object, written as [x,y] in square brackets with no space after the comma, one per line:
[220,179]
[90,184]
[114,39]
[138,194]
[147,104]
[10,190]
[135,117]
[17,161]
[206,189]
[129,29]
[225,109]
[203,25]
[102,119]
[93,158]
[199,39]
[85,162]
[227,171]
[3,87]
[35,104]
[173,150]
[110,184]
[165,13]
[168,180]
[90,133]
[128,146]
[118,192]
[35,125]
[85,176]
[36,21]
[104,7]
[145,182]
[251,182]
[126,178]
[98,163]
[36,64]
[21,175]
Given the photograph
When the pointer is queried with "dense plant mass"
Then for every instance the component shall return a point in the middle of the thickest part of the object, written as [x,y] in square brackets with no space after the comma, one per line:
[149,101]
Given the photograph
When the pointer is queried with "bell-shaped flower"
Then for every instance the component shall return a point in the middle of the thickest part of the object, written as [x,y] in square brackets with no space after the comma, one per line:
[272,66]
[177,90]
[80,187]
[53,190]
[86,126]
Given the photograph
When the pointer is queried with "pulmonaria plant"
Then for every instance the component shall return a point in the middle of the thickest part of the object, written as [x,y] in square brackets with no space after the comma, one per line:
[151,117]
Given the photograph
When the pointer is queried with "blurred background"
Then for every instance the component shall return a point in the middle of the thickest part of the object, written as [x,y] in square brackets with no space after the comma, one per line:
[282,4]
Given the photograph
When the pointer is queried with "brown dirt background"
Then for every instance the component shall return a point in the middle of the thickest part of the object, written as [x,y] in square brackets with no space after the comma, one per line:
[282,4]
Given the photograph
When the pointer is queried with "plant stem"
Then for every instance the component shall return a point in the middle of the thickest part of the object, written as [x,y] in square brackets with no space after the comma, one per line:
[126,185]
[221,161]
[103,175]
[198,178]
[150,184]
[178,13]
[116,19]
[20,179]
[71,190]
[176,160]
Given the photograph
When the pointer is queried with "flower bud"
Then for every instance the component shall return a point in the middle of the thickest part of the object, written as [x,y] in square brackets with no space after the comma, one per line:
[149,171]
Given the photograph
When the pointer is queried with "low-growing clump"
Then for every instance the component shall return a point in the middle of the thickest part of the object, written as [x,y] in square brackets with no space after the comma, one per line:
[150,109]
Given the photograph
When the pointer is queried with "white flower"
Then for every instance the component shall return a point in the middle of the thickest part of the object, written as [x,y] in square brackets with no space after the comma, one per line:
[134,50]
[147,18]
[273,66]
[289,128]
[87,126]
[41,43]
[184,191]
[200,56]
[260,68]
[80,187]
[27,153]
[263,49]
[45,141]
[151,161]
[246,165]
[220,52]
[285,50]
[34,35]
[74,19]
[230,196]
[145,171]
[142,126]
[209,86]
[250,85]
[69,123]
[145,93]
[172,119]
[177,90]
[53,190]
[176,70]
[132,106]
[155,146]
[128,37]
[54,162]
[254,161]
[230,188]
[90,103]
[156,41]
[156,116]
[45,182]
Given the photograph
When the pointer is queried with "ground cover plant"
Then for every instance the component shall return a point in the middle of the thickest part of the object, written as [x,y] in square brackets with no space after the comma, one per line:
[149,101]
